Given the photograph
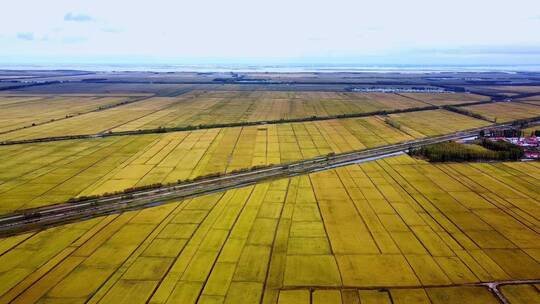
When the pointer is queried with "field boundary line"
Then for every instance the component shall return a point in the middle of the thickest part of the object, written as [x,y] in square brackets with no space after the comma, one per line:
[109,132]
[213,126]
[146,196]
[130,100]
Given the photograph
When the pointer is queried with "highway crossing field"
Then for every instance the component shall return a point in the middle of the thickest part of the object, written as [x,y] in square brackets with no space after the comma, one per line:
[34,175]
[394,230]
[56,171]
[212,107]
[397,230]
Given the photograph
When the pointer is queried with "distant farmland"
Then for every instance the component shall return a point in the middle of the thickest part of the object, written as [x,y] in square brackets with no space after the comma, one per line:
[503,112]
[390,230]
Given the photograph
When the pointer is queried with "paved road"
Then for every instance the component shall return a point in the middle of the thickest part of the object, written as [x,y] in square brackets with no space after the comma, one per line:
[53,215]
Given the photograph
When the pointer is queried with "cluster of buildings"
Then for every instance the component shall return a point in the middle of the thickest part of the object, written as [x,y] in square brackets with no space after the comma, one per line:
[399,90]
[530,145]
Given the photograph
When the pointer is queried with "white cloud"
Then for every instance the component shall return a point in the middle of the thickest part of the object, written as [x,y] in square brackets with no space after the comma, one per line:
[279,29]
[77,17]
[25,36]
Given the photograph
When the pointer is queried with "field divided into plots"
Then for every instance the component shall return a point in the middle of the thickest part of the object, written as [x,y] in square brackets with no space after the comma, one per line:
[518,89]
[329,237]
[248,106]
[509,91]
[434,122]
[516,294]
[505,111]
[214,107]
[441,99]
[533,102]
[535,98]
[32,175]
[94,122]
[23,111]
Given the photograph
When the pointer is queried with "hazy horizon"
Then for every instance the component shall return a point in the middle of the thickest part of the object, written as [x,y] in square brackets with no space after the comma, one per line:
[343,32]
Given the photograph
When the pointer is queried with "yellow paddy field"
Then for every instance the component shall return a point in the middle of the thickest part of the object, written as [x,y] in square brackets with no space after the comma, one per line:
[440,99]
[505,111]
[227,107]
[533,102]
[434,122]
[33,175]
[212,107]
[528,131]
[507,90]
[535,98]
[519,89]
[396,230]
[94,122]
[23,111]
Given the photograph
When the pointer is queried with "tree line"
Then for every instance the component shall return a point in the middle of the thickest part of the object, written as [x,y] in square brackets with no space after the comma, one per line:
[456,152]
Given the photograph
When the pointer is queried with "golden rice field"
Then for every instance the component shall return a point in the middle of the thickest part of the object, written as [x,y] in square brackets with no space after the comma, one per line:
[516,294]
[519,89]
[532,102]
[529,130]
[94,122]
[32,175]
[434,122]
[396,230]
[505,111]
[23,111]
[506,90]
[107,94]
[535,98]
[227,107]
[441,99]
[202,107]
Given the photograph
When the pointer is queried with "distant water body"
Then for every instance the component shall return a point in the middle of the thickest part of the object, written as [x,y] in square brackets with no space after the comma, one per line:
[292,68]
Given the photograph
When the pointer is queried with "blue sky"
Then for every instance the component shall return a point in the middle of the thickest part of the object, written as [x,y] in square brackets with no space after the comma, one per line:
[338,31]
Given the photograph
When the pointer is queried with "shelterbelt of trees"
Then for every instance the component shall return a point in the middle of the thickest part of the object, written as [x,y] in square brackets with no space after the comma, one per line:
[483,150]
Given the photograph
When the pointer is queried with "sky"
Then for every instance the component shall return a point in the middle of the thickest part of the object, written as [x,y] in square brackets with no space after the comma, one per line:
[276,31]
